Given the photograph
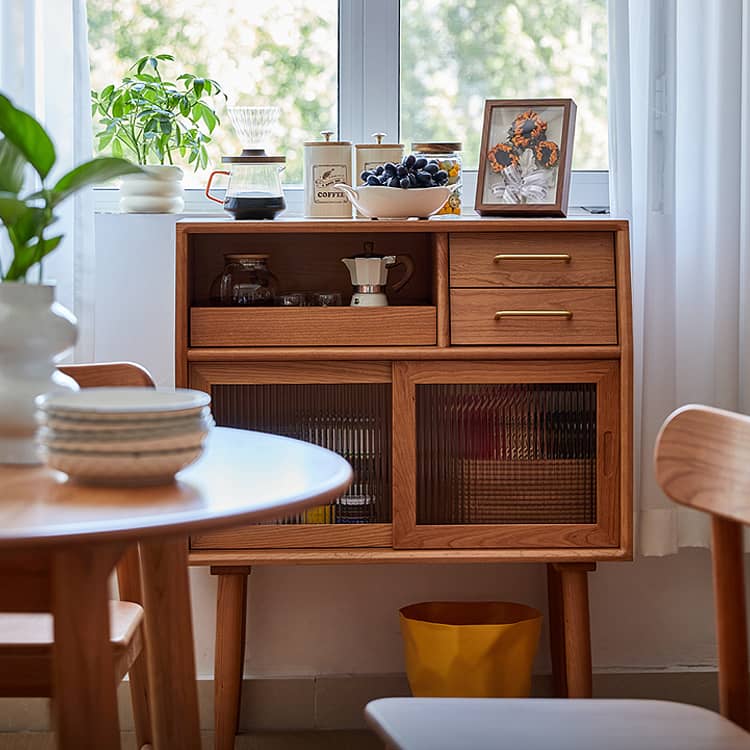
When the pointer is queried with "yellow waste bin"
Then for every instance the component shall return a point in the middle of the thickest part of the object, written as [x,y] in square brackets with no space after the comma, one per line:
[470,649]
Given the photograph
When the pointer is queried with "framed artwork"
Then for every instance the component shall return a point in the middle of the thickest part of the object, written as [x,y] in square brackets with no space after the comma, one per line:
[526,152]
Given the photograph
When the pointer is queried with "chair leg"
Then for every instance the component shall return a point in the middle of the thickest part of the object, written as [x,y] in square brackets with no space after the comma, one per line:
[576,627]
[129,585]
[231,609]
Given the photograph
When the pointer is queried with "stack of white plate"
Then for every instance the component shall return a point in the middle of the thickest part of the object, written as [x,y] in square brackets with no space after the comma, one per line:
[129,436]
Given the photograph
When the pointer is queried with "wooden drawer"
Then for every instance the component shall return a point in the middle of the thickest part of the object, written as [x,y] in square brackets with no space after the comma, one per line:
[313,326]
[475,318]
[519,259]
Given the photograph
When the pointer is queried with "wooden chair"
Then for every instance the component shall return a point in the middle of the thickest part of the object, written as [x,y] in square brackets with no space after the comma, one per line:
[702,460]
[26,640]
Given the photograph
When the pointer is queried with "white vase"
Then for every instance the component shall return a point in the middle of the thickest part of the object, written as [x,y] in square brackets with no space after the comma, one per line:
[157,191]
[35,332]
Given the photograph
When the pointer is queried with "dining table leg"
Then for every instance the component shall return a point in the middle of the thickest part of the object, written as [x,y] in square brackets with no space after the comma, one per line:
[84,683]
[169,638]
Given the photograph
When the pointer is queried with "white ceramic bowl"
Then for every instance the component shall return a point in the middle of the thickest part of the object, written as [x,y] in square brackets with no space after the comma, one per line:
[379,202]
[128,469]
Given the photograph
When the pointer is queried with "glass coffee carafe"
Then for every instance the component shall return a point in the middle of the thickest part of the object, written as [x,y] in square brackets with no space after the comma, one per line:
[254,189]
[245,281]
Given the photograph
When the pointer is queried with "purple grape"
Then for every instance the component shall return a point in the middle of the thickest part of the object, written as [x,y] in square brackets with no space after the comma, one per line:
[409,161]
[404,182]
[420,163]
[373,180]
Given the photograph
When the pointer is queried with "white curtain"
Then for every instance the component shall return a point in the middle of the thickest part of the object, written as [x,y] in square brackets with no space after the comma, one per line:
[44,69]
[680,170]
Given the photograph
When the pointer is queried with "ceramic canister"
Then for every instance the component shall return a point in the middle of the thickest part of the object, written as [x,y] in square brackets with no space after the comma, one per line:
[326,163]
[369,155]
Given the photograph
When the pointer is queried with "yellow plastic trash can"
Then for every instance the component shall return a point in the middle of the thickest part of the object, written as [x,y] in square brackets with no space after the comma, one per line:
[470,649]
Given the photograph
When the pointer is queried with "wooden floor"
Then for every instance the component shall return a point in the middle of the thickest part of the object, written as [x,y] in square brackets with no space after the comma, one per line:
[261,741]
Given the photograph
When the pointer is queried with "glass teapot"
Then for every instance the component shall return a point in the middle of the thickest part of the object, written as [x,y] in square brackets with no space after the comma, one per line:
[254,189]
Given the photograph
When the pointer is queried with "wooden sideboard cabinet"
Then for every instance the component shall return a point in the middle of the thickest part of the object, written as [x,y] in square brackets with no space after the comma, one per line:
[487,412]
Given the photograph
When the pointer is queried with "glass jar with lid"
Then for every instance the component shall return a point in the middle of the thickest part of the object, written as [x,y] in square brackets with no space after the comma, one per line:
[245,281]
[448,156]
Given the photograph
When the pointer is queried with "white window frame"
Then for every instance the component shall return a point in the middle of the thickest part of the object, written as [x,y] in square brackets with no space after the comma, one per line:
[368,102]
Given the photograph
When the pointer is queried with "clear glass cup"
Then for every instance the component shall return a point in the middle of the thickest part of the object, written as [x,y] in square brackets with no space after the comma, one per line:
[324,299]
[291,299]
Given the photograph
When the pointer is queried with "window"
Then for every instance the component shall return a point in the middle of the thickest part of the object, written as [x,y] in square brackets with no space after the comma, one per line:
[457,53]
[262,52]
[416,69]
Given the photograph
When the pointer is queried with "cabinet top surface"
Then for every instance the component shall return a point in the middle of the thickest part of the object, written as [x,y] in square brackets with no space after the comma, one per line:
[435,224]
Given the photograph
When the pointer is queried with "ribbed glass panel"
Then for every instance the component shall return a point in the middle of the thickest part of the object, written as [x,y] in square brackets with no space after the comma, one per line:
[513,454]
[353,419]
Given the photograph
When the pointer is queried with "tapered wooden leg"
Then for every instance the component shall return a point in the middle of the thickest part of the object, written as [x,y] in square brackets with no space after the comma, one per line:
[576,627]
[169,638]
[83,669]
[731,621]
[556,631]
[231,609]
[129,585]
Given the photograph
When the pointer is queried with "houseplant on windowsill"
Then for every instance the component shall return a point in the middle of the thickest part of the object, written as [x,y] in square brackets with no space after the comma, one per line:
[34,330]
[153,120]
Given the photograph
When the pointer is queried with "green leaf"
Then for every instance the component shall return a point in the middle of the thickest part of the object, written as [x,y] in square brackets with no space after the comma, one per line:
[11,208]
[29,224]
[117,149]
[29,255]
[29,137]
[164,56]
[12,164]
[91,172]
[198,86]
[107,91]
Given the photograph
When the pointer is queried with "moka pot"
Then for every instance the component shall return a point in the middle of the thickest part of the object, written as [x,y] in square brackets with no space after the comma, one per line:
[370,275]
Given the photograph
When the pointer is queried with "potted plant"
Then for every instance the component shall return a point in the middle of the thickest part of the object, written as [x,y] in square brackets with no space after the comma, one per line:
[34,330]
[153,119]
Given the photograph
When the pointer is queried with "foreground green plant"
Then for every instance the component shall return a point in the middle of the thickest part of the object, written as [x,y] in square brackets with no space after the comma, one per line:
[153,118]
[27,216]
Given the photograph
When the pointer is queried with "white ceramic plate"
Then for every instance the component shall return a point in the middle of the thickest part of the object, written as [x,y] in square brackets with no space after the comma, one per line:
[124,403]
[182,441]
[130,469]
[112,429]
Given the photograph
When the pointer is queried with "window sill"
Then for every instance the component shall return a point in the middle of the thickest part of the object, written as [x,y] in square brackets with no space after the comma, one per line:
[587,189]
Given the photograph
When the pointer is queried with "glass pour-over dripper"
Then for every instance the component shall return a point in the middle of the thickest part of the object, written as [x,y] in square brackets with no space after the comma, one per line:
[253,126]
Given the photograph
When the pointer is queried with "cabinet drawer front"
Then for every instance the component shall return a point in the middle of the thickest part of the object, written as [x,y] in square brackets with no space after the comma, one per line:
[533,316]
[521,259]
[313,326]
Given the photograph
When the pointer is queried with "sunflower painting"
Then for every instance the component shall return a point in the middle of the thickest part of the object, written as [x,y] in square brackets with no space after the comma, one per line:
[525,159]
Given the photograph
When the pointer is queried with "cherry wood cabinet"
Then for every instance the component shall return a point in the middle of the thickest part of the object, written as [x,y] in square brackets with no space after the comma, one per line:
[487,412]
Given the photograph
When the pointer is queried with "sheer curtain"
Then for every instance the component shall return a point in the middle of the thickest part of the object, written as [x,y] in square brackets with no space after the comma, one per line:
[44,69]
[680,170]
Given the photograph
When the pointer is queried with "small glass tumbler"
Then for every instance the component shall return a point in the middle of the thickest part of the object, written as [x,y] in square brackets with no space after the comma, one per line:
[325,299]
[290,299]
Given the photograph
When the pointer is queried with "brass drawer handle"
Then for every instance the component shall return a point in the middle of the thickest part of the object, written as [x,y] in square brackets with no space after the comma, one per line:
[533,256]
[533,314]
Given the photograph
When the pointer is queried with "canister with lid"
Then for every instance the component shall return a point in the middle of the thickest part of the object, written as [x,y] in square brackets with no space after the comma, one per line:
[369,155]
[326,163]
[448,156]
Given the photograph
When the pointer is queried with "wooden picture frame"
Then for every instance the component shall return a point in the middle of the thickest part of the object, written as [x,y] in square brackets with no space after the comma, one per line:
[525,157]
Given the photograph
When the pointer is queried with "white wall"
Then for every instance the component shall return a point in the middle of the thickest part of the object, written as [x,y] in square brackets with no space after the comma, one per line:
[650,614]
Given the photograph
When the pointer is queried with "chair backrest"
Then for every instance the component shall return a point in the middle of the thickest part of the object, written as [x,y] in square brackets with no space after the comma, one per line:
[702,460]
[116,375]
[113,374]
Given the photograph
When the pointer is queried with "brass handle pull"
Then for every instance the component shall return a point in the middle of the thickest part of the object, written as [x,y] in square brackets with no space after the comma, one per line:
[500,314]
[565,257]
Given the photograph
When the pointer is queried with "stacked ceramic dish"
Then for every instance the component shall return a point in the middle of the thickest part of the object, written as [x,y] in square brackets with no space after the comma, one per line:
[123,436]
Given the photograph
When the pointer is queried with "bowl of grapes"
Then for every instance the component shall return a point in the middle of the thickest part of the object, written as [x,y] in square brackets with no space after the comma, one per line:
[415,187]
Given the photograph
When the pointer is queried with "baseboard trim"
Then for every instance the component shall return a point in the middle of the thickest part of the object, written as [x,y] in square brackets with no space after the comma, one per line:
[335,702]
